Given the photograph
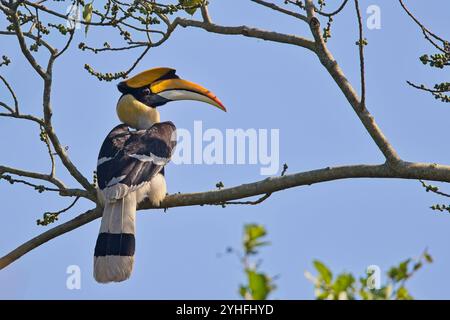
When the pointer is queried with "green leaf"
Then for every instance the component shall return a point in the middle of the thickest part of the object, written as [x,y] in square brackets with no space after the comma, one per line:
[344,283]
[191,5]
[252,235]
[428,257]
[399,273]
[87,15]
[403,294]
[259,284]
[417,266]
[392,273]
[403,270]
[243,291]
[322,295]
[323,270]
[255,231]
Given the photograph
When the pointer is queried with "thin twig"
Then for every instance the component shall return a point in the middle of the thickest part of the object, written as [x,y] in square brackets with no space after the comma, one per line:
[433,189]
[361,44]
[280,9]
[342,6]
[419,23]
[40,188]
[50,217]
[13,95]
[258,201]
[4,105]
[69,41]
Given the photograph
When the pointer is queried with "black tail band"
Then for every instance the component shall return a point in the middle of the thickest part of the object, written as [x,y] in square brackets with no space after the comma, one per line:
[115,244]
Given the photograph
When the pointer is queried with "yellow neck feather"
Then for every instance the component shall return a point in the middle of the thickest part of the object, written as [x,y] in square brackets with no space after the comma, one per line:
[136,114]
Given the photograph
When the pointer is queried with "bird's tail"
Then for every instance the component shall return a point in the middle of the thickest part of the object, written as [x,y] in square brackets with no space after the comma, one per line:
[114,250]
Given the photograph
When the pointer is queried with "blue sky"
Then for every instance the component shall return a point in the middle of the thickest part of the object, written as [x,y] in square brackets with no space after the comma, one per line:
[347,224]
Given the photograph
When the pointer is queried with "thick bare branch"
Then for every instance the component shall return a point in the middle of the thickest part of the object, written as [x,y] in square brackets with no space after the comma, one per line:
[248,32]
[205,14]
[333,68]
[405,170]
[49,130]
[23,46]
[393,168]
[62,153]
[48,235]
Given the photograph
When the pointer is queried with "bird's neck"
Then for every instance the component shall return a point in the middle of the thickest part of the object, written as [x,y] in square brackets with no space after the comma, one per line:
[136,114]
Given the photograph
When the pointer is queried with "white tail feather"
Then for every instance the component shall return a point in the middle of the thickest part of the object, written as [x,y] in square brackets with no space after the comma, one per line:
[118,217]
[112,268]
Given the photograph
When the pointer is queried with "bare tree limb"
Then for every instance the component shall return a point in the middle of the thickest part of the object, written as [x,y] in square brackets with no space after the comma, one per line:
[40,188]
[48,235]
[406,170]
[23,117]
[45,177]
[393,168]
[328,61]
[49,130]
[205,14]
[282,10]
[248,32]
[24,48]
[32,37]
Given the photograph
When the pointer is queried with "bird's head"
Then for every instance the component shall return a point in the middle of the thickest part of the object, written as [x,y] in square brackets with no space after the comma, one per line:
[146,91]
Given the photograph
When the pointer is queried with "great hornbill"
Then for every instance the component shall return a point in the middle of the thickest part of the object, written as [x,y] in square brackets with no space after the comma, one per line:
[131,161]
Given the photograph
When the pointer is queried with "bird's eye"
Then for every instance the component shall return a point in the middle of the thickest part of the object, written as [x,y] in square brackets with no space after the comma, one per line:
[146,91]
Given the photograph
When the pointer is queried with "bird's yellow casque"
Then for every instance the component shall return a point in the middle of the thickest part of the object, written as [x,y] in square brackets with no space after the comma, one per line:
[130,165]
[164,83]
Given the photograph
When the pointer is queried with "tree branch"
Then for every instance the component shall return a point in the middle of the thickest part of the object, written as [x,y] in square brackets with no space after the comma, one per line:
[48,235]
[23,117]
[361,44]
[23,46]
[205,14]
[248,32]
[32,37]
[13,95]
[49,130]
[328,61]
[339,9]
[393,168]
[426,32]
[282,10]
[405,170]
[63,190]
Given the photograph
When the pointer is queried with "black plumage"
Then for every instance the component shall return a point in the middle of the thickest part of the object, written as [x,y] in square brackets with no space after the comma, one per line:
[126,156]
